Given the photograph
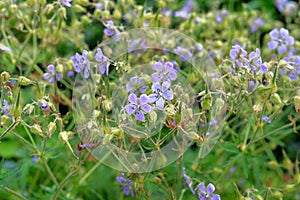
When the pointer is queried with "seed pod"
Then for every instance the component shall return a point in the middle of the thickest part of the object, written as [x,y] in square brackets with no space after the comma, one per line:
[2,5]
[107,105]
[36,129]
[51,128]
[275,98]
[14,8]
[206,102]
[297,103]
[24,81]
[5,76]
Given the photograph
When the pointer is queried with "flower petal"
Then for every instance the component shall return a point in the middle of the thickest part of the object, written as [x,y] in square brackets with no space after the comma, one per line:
[210,188]
[143,99]
[132,98]
[129,87]
[216,197]
[201,187]
[274,34]
[156,87]
[146,108]
[290,40]
[168,95]
[157,67]
[172,75]
[130,109]
[166,85]
[272,45]
[283,32]
[51,68]
[152,98]
[143,89]
[282,49]
[160,103]
[140,116]
[156,77]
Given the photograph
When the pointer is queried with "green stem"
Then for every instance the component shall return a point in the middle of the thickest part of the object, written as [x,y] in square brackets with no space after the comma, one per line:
[89,173]
[62,184]
[15,193]
[50,173]
[8,129]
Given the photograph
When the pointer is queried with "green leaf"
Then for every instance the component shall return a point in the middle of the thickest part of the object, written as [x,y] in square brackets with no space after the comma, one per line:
[245,166]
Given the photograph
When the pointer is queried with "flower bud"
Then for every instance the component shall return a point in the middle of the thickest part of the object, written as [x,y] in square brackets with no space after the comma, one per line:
[24,81]
[191,78]
[5,76]
[59,68]
[117,14]
[5,120]
[297,103]
[31,3]
[51,128]
[206,102]
[83,2]
[49,8]
[105,14]
[107,105]
[97,13]
[220,103]
[63,12]
[79,8]
[14,8]
[265,92]
[65,136]
[42,2]
[27,110]
[36,129]
[275,98]
[2,5]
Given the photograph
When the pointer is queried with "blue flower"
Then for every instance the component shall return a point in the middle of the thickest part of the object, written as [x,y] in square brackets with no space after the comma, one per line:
[266,119]
[126,184]
[161,93]
[81,63]
[256,24]
[221,15]
[136,83]
[52,74]
[44,104]
[35,159]
[4,48]
[66,2]
[186,10]
[207,193]
[280,39]
[104,64]
[188,181]
[6,108]
[254,61]
[164,71]
[238,55]
[138,106]
[111,30]
[185,55]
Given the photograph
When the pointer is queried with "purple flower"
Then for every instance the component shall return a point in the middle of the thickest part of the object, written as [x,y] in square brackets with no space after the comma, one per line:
[4,48]
[164,72]
[161,93]
[255,62]
[256,24]
[186,10]
[207,193]
[66,2]
[280,39]
[188,181]
[221,15]
[251,83]
[6,108]
[281,4]
[52,74]
[266,119]
[111,30]
[44,104]
[35,158]
[286,7]
[104,64]
[126,184]
[184,54]
[136,83]
[138,106]
[238,55]
[81,63]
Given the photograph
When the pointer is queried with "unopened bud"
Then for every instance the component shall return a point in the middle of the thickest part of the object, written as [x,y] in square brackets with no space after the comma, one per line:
[24,81]
[117,14]
[5,76]
[14,8]
[5,120]
[105,14]
[31,3]
[60,68]
[42,2]
[49,8]
[27,110]
[297,103]
[2,4]
[275,98]
[51,128]
[107,105]
[65,136]
[220,103]
[36,129]
[79,8]
[206,102]
[63,12]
